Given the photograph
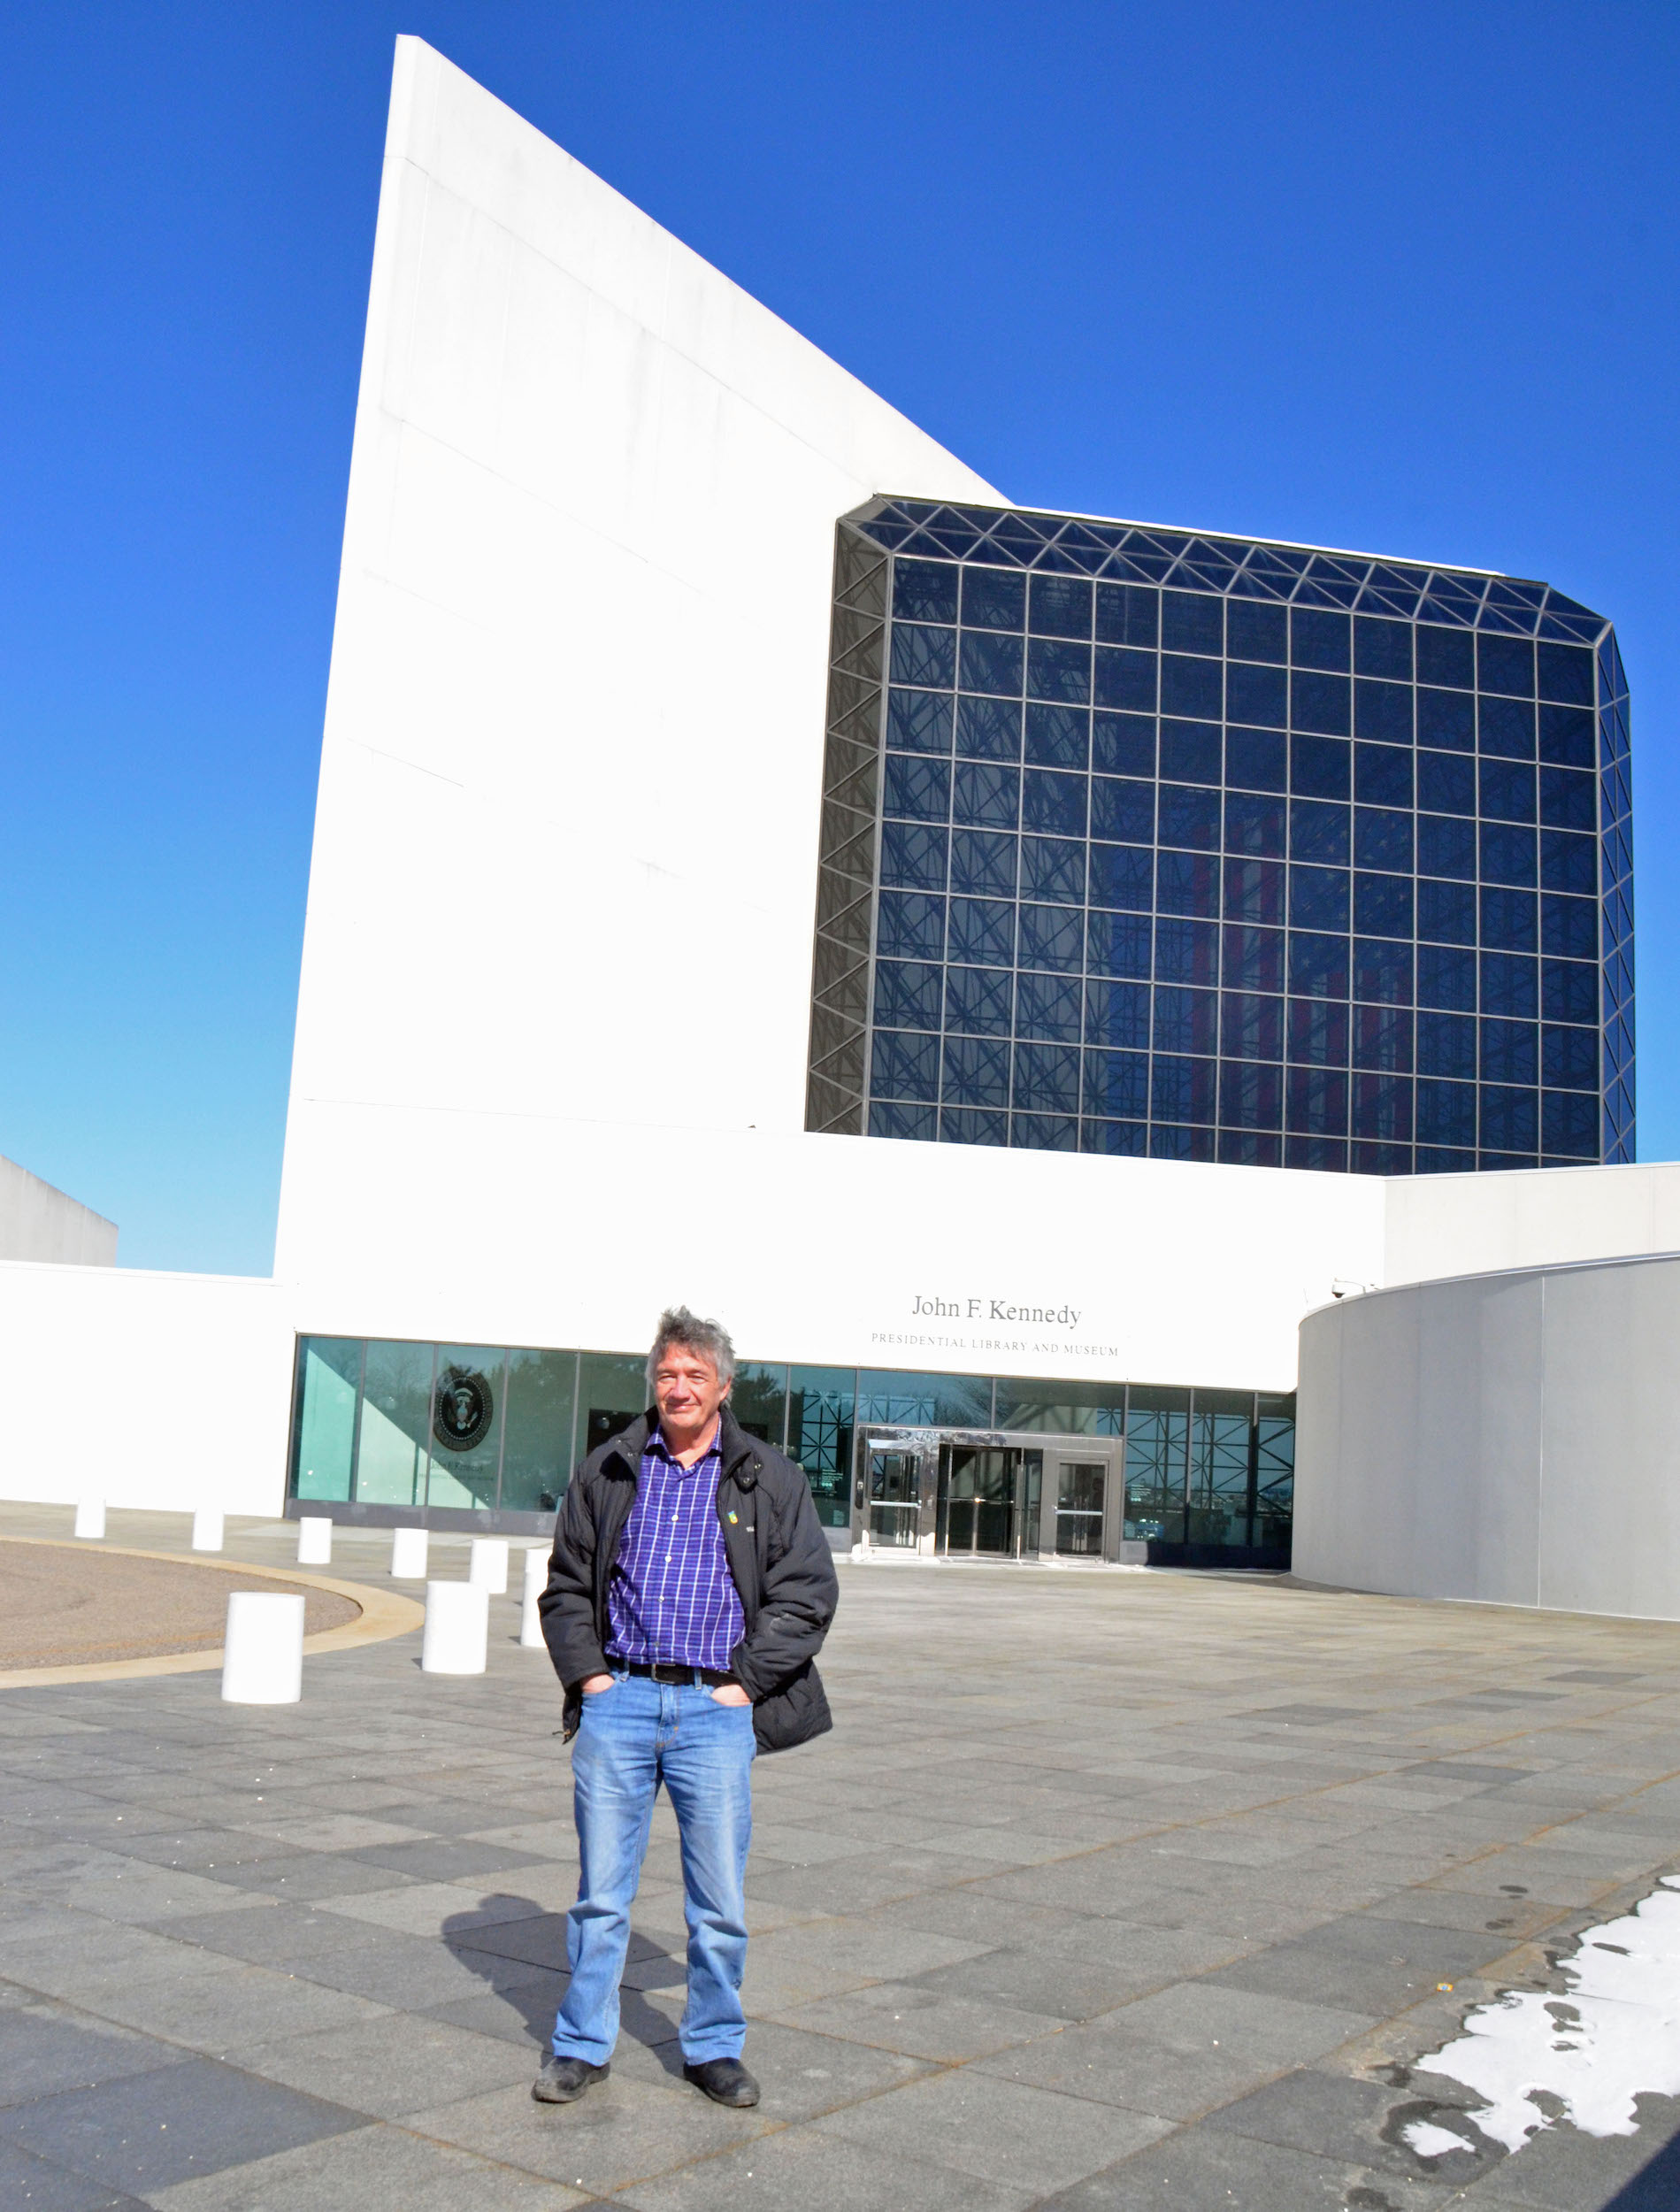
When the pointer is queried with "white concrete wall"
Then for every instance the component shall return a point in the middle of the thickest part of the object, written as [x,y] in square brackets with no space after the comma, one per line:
[163,1391]
[1469,1225]
[1508,1438]
[40,1223]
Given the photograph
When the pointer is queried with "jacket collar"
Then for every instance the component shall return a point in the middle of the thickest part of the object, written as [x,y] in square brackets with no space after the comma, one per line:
[735,1445]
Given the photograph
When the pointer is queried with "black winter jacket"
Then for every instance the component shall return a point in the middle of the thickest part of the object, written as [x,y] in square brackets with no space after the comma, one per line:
[778,1555]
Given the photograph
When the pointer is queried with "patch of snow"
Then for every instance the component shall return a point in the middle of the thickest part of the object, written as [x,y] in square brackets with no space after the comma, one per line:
[1428,2141]
[1613,2036]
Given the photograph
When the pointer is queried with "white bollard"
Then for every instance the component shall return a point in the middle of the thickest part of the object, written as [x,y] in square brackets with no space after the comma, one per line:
[536,1581]
[263,1660]
[408,1554]
[90,1520]
[457,1638]
[315,1540]
[209,1527]
[488,1568]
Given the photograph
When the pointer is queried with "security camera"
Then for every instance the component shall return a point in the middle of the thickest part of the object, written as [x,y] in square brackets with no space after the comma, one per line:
[1345,1287]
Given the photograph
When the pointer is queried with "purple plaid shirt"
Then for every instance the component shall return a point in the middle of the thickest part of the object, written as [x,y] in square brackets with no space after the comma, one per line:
[672,1599]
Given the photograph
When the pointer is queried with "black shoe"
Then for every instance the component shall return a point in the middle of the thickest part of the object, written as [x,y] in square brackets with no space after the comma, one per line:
[725,2080]
[563,2080]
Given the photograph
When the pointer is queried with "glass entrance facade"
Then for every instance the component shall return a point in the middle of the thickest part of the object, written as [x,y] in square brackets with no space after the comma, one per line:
[1135,841]
[398,1429]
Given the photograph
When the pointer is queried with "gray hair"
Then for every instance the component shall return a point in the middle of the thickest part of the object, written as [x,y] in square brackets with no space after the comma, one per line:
[707,1340]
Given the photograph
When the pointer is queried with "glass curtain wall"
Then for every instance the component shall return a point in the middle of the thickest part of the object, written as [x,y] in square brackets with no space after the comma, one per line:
[477,1427]
[1139,843]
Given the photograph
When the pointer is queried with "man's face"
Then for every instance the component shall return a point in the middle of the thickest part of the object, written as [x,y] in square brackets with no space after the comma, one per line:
[687,1390]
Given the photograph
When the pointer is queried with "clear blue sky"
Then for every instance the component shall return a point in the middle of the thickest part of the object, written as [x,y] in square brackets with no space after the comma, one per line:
[1399,279]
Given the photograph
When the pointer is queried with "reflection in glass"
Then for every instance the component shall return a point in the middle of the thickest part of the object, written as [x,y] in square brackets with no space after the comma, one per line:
[536,1429]
[820,1418]
[394,1440]
[467,1398]
[329,1371]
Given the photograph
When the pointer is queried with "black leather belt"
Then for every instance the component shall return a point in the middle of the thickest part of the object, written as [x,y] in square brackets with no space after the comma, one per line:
[712,1676]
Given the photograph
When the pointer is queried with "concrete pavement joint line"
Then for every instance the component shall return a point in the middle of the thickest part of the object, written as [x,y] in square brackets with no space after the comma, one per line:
[384,1615]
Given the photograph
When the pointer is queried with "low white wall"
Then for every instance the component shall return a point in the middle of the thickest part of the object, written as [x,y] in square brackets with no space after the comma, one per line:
[40,1223]
[1508,1438]
[165,1391]
[1470,1224]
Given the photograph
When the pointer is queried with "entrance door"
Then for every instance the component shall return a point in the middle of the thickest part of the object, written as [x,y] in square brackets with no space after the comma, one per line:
[894,1498]
[1079,1486]
[979,1510]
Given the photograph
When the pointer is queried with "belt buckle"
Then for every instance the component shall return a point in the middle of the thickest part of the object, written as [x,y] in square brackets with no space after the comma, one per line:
[665,1670]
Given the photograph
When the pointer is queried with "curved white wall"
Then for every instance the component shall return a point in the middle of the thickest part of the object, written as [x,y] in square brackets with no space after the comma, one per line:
[1507,1438]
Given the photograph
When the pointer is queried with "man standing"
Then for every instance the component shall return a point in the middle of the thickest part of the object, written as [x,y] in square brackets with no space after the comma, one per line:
[690,1587]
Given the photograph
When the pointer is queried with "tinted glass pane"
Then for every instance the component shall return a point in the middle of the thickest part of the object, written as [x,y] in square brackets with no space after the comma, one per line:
[1182,1090]
[918,786]
[898,1400]
[976,1072]
[1189,816]
[1058,670]
[977,1000]
[1125,678]
[987,794]
[1446,656]
[1320,767]
[1570,991]
[1254,959]
[1188,687]
[1567,737]
[1256,632]
[919,721]
[1191,622]
[1508,790]
[1383,711]
[1053,868]
[612,1390]
[1057,737]
[1382,905]
[1187,952]
[1510,984]
[1506,726]
[1256,695]
[1446,1045]
[1315,1102]
[1506,664]
[1566,674]
[1569,927]
[1570,1126]
[1257,760]
[1445,1113]
[990,662]
[1383,969]
[1318,638]
[1446,718]
[1445,846]
[1118,1014]
[1568,800]
[1128,614]
[1381,648]
[1510,1120]
[904,1066]
[1046,1079]
[539,1398]
[1187,883]
[1060,606]
[1117,1084]
[1508,854]
[1445,977]
[982,931]
[1317,832]
[1382,775]
[821,1411]
[1254,890]
[994,599]
[910,925]
[1510,1052]
[1382,840]
[1048,1007]
[988,729]
[925,591]
[1118,944]
[324,1421]
[907,994]
[1570,1059]
[1254,825]
[982,862]
[1509,920]
[1123,875]
[1318,1032]
[1318,966]
[1051,937]
[1320,703]
[922,656]
[1251,1027]
[1052,803]
[1447,912]
[1318,898]
[1123,745]
[894,1118]
[1446,783]
[1187,1021]
[1190,751]
[1122,808]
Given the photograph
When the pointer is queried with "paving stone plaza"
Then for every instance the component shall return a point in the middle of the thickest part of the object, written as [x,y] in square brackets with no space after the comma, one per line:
[1109,1890]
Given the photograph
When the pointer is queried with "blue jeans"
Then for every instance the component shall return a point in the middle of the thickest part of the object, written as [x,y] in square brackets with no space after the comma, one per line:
[629,1739]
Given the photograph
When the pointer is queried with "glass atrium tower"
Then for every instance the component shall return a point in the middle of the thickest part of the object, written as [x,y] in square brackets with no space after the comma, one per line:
[1137,841]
